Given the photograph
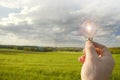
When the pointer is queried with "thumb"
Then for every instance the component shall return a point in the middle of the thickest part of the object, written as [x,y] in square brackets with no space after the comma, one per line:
[90,51]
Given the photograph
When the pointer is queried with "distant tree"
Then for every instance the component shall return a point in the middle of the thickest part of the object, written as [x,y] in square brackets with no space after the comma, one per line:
[115,50]
[27,49]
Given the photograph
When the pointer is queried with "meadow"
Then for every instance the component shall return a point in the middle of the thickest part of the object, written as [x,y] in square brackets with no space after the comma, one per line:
[29,65]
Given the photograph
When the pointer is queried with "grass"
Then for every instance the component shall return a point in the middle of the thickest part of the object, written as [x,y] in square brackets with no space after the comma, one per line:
[26,65]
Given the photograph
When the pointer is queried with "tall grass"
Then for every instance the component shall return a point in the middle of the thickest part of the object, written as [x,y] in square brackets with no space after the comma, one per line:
[24,65]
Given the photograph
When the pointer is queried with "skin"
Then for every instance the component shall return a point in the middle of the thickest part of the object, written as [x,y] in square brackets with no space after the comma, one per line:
[97,62]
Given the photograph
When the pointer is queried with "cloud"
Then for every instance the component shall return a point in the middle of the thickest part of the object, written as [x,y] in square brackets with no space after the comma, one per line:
[118,37]
[42,22]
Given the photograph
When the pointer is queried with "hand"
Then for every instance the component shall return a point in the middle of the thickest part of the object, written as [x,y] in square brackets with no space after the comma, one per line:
[97,62]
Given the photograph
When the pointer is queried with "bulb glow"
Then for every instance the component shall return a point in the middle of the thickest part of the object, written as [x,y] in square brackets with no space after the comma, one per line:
[88,29]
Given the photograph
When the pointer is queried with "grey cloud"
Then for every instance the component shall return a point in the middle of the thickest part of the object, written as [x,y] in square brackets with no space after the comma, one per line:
[66,15]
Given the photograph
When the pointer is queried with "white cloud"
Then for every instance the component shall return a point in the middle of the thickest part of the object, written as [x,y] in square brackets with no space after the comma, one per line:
[40,21]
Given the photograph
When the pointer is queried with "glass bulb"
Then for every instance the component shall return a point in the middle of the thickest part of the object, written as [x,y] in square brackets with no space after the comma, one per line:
[88,29]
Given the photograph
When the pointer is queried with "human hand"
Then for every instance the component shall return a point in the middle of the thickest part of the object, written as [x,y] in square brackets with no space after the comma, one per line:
[97,62]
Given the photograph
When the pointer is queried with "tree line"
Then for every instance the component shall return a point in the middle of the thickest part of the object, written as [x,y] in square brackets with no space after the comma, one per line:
[114,50]
[40,49]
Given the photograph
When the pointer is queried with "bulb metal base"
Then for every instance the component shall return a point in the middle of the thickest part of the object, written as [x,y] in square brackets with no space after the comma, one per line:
[89,39]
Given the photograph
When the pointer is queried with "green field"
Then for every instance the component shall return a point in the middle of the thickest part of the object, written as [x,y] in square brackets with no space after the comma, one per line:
[26,65]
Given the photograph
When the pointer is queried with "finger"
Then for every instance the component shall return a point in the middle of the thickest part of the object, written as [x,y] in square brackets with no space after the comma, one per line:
[84,51]
[99,52]
[104,49]
[90,51]
[97,45]
[81,59]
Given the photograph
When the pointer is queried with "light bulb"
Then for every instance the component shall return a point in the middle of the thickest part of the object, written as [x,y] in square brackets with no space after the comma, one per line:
[88,29]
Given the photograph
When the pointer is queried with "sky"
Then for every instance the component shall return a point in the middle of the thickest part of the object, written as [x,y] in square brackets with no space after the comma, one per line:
[57,22]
